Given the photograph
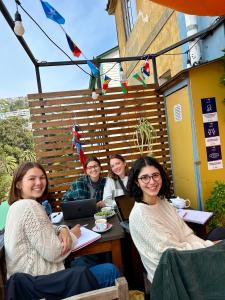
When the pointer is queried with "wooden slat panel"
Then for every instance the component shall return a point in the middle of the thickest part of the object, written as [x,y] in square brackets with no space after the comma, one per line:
[104,126]
[107,127]
[94,112]
[86,92]
[88,102]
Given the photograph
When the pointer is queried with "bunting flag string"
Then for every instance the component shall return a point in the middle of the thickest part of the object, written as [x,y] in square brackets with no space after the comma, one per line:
[94,69]
[124,86]
[145,70]
[105,84]
[140,79]
[55,16]
[51,13]
[76,143]
[73,47]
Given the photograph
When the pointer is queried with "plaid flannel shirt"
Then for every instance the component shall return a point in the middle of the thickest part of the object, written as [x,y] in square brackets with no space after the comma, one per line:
[80,190]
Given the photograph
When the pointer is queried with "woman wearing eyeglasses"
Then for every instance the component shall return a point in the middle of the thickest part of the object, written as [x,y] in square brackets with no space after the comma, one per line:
[89,186]
[154,224]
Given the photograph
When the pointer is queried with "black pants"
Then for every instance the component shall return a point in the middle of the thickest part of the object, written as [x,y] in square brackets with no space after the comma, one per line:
[216,234]
[54,286]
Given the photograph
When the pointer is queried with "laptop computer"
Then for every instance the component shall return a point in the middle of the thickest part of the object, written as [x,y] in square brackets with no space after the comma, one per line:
[125,204]
[78,209]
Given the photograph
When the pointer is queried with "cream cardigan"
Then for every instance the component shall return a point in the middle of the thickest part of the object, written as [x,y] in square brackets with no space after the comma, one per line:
[155,228]
[31,242]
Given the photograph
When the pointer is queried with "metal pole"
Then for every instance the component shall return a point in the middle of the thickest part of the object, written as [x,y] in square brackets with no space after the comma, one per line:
[154,66]
[38,77]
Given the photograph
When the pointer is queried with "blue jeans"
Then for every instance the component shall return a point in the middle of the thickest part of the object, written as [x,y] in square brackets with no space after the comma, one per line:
[105,274]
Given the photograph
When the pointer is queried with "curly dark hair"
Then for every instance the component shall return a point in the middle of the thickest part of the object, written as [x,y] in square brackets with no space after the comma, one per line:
[15,193]
[134,190]
[92,158]
[120,157]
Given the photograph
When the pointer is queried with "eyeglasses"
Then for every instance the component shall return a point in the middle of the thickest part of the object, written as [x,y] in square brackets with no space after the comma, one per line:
[93,167]
[146,178]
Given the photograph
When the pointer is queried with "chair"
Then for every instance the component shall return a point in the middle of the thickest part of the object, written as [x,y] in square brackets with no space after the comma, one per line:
[119,291]
[2,272]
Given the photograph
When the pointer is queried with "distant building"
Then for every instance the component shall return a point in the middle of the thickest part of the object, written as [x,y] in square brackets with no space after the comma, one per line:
[24,113]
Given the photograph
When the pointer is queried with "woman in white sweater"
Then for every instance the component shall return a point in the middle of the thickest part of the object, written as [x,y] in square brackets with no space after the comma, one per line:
[32,244]
[116,182]
[154,224]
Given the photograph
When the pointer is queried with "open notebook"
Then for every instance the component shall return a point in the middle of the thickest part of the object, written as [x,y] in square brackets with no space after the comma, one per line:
[87,237]
[195,216]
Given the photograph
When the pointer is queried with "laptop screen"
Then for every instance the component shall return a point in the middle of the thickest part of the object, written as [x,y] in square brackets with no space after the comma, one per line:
[125,204]
[78,209]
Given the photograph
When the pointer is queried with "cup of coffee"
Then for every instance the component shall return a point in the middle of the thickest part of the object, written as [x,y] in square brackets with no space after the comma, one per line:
[101,224]
[180,203]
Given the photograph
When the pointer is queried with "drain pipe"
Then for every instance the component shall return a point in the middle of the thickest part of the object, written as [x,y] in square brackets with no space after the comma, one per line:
[194,47]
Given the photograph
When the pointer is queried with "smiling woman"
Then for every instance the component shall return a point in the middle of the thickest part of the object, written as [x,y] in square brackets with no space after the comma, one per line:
[117,180]
[155,225]
[88,186]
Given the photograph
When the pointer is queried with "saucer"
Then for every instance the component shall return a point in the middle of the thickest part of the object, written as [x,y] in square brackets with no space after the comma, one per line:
[109,226]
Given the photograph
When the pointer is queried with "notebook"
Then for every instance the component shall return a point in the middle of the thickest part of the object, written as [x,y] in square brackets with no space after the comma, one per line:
[125,204]
[87,237]
[78,209]
[195,216]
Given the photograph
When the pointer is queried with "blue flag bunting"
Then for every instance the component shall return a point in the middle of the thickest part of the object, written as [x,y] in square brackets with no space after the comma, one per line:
[51,13]
[94,69]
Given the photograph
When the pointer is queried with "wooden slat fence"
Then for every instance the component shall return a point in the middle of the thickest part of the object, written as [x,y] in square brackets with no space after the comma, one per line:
[107,127]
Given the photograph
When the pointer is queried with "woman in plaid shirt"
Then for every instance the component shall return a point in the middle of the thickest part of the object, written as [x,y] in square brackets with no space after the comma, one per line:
[88,186]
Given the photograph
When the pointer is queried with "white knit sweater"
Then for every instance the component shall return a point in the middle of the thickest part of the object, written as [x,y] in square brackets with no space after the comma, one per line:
[155,228]
[31,242]
[113,189]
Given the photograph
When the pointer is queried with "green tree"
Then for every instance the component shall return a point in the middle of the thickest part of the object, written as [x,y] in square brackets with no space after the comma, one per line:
[15,137]
[16,145]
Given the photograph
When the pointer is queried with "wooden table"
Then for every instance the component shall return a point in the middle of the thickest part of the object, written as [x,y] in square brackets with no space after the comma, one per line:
[109,242]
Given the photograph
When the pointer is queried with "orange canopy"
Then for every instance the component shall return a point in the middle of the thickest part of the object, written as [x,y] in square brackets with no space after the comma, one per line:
[196,7]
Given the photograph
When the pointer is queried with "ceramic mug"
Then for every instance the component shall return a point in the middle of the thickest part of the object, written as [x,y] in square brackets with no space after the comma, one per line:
[101,224]
[180,203]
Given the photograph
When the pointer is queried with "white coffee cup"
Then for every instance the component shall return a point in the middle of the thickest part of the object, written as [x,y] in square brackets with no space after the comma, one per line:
[101,224]
[180,203]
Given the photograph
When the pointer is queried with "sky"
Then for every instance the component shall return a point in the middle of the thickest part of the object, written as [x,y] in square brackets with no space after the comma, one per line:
[89,26]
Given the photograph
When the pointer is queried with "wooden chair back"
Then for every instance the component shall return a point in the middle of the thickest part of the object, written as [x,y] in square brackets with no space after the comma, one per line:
[119,291]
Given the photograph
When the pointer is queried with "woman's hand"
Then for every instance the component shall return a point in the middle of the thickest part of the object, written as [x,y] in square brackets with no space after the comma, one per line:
[100,204]
[65,239]
[76,230]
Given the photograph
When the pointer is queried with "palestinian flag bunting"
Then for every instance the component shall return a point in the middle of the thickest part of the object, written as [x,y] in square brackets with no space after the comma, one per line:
[139,78]
[124,86]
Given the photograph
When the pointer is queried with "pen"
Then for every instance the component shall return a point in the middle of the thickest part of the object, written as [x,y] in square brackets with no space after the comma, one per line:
[56,215]
[85,225]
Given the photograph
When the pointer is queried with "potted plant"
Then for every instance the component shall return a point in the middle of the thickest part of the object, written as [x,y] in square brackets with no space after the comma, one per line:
[216,204]
[144,136]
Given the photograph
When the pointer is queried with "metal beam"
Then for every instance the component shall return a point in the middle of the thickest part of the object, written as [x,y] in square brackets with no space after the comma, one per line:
[202,34]
[10,21]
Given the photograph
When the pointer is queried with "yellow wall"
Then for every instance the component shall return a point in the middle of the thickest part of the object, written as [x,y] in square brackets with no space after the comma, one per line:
[137,43]
[181,146]
[205,82]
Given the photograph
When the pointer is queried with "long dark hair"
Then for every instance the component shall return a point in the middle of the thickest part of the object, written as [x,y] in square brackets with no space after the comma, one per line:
[16,193]
[133,188]
[120,157]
